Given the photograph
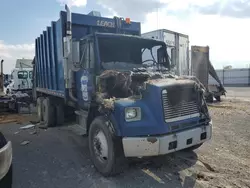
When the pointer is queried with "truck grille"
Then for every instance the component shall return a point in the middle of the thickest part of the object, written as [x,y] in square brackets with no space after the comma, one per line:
[182,108]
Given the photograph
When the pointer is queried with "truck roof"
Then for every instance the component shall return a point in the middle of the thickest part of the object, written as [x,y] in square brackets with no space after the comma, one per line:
[23,63]
[84,24]
[167,31]
[49,45]
[127,37]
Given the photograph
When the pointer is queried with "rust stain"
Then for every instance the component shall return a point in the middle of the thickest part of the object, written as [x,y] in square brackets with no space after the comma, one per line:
[152,140]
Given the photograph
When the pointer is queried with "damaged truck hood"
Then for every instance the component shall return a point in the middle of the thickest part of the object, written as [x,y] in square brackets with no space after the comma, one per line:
[168,82]
[120,90]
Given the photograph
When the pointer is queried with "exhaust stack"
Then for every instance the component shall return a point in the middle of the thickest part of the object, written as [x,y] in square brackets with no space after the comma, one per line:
[69,25]
[1,79]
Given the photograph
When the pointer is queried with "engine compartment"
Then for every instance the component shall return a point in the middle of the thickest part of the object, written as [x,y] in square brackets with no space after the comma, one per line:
[126,84]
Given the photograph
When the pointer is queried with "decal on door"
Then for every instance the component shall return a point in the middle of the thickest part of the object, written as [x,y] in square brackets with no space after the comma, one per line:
[84,87]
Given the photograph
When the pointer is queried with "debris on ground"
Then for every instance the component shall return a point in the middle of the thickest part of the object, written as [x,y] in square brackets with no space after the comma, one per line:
[27,126]
[34,122]
[220,106]
[33,132]
[12,118]
[25,143]
[42,126]
[208,166]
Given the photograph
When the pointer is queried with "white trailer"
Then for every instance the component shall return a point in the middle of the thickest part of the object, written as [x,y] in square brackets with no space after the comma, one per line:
[21,79]
[178,49]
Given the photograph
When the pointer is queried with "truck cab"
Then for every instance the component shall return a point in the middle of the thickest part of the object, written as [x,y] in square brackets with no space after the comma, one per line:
[128,103]
[152,111]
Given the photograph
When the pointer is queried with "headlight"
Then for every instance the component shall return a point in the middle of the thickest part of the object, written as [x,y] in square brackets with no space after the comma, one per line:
[132,114]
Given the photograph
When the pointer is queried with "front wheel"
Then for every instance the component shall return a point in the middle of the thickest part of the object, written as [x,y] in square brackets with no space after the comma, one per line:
[106,149]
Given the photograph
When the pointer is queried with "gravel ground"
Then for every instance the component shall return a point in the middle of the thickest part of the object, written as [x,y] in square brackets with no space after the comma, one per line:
[59,158]
[242,93]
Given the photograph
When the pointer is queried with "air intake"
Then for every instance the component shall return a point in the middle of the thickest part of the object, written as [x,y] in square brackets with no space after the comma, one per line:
[95,13]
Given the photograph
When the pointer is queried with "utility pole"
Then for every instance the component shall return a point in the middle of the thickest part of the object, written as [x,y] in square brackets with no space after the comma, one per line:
[1,79]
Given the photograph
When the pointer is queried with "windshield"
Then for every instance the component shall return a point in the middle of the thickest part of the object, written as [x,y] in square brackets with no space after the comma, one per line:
[127,53]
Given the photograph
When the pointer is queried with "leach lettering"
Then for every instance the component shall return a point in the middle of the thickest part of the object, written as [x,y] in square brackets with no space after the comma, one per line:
[105,23]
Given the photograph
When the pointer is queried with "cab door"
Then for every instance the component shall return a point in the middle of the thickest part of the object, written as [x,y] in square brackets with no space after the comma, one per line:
[86,75]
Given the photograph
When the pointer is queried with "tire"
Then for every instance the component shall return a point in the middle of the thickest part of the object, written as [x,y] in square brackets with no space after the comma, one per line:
[59,114]
[48,112]
[114,161]
[39,106]
[210,98]
[6,182]
[193,147]
[218,98]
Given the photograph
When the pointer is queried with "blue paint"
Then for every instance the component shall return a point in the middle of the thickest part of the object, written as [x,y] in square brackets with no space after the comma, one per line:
[46,70]
[42,61]
[152,121]
[48,55]
[49,47]
[59,46]
[54,55]
[87,83]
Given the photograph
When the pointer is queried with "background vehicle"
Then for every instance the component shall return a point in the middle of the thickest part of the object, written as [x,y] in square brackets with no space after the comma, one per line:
[4,99]
[5,162]
[95,67]
[202,68]
[21,77]
[194,62]
[177,47]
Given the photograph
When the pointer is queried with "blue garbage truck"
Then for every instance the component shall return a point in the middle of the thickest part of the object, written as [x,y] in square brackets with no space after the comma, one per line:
[129,105]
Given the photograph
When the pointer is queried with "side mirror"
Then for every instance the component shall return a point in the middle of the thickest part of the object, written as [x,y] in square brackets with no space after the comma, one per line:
[162,57]
[173,57]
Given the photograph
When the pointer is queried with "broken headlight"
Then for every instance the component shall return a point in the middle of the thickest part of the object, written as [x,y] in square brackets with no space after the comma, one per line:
[132,114]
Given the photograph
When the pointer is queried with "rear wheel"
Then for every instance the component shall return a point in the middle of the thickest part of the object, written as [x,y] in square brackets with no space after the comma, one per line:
[39,106]
[59,114]
[48,112]
[106,149]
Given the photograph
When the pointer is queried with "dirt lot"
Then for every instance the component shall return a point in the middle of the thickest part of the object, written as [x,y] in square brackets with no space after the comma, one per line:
[58,157]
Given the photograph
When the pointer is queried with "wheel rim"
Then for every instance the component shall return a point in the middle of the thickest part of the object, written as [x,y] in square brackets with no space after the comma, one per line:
[100,145]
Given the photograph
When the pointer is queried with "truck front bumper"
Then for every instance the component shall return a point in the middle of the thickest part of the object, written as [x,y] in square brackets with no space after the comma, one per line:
[160,145]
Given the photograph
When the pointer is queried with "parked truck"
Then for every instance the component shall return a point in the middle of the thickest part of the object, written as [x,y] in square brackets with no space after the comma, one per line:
[182,62]
[201,68]
[129,107]
[21,77]
[177,47]
[5,100]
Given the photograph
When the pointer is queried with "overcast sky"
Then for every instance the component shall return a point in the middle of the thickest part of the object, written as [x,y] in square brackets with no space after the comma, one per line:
[221,24]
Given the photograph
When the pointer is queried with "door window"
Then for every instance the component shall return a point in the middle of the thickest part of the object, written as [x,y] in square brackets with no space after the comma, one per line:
[30,74]
[87,54]
[22,74]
